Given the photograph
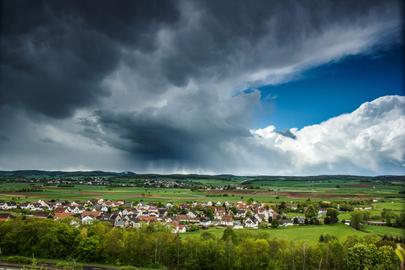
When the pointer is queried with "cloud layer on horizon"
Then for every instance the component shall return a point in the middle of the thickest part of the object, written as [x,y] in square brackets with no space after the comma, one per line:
[155,86]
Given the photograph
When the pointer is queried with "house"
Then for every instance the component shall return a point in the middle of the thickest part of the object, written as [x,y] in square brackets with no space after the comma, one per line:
[60,209]
[191,215]
[376,223]
[8,206]
[119,221]
[153,210]
[261,217]
[88,217]
[168,205]
[227,220]
[93,214]
[126,212]
[182,218]
[147,219]
[219,212]
[251,222]
[87,220]
[77,210]
[177,227]
[44,205]
[241,213]
[285,223]
[298,220]
[74,204]
[31,207]
[5,216]
[240,205]
[205,222]
[237,225]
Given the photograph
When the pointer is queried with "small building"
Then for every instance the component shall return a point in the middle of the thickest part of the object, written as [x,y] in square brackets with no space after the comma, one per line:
[251,222]
[227,220]
[5,216]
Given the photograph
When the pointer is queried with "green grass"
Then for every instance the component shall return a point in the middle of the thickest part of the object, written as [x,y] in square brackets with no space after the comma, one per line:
[318,190]
[217,232]
[308,234]
[384,230]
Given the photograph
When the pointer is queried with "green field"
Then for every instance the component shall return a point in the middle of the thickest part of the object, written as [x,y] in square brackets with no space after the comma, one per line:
[308,234]
[383,230]
[265,191]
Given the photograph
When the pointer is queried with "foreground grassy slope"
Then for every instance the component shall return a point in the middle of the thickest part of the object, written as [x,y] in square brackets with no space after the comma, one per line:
[308,234]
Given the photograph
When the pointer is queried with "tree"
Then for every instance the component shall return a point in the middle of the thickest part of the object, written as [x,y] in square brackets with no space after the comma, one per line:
[209,213]
[387,259]
[356,220]
[270,220]
[388,215]
[207,235]
[156,246]
[361,257]
[229,235]
[233,209]
[282,206]
[311,214]
[346,208]
[87,249]
[327,238]
[400,221]
[331,216]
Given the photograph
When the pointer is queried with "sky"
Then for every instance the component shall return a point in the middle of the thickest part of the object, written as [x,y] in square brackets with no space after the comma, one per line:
[332,89]
[241,87]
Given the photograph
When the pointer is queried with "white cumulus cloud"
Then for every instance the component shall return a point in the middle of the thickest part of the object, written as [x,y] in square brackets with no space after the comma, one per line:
[370,140]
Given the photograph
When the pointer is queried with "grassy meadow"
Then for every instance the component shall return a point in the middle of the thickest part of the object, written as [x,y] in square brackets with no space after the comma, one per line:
[309,234]
[261,191]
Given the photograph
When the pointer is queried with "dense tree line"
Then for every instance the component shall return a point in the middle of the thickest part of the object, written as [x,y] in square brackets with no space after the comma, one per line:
[155,245]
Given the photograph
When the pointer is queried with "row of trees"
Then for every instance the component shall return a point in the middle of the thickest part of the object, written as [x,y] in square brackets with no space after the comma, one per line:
[358,218]
[155,245]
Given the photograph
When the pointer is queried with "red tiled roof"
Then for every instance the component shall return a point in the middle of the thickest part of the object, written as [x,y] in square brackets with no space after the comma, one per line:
[147,219]
[91,213]
[61,215]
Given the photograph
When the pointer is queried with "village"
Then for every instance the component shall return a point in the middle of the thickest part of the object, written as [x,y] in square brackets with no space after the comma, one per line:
[180,218]
[40,182]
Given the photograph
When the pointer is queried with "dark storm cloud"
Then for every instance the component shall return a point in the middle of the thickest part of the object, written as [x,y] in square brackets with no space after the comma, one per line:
[54,54]
[157,136]
[154,82]
[225,34]
[150,138]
